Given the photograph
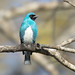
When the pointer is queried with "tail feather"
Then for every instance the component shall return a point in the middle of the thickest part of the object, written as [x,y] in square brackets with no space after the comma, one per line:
[27,59]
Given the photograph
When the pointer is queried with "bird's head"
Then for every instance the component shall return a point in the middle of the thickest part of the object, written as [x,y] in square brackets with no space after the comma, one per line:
[32,16]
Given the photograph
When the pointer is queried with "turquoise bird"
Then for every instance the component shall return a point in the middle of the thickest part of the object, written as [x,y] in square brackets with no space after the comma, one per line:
[28,33]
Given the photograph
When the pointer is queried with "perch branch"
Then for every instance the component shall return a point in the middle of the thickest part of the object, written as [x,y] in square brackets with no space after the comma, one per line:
[39,49]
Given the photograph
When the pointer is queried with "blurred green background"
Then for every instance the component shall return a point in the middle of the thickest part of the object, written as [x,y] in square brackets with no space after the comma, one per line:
[56,23]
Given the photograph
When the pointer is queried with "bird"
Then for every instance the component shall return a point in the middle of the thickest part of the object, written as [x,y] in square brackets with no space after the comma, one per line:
[28,34]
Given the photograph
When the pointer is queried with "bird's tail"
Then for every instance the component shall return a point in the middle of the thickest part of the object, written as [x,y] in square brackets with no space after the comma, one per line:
[27,59]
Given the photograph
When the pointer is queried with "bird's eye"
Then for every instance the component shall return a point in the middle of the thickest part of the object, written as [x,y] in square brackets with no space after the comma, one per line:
[31,16]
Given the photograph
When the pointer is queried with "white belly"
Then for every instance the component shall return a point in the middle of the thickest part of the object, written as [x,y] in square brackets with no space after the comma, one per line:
[28,37]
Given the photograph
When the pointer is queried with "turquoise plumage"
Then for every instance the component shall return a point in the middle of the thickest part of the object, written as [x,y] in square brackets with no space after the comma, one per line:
[28,33]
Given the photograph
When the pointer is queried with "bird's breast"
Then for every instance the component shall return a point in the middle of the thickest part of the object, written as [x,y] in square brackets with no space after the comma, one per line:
[28,35]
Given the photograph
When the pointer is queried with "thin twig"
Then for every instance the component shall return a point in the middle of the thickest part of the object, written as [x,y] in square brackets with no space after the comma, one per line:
[63,61]
[64,43]
[69,3]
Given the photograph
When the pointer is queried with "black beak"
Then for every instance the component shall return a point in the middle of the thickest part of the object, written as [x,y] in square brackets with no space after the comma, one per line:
[33,17]
[36,16]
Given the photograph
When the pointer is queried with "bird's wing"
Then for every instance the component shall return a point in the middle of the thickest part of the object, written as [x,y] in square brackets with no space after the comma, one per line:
[22,31]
